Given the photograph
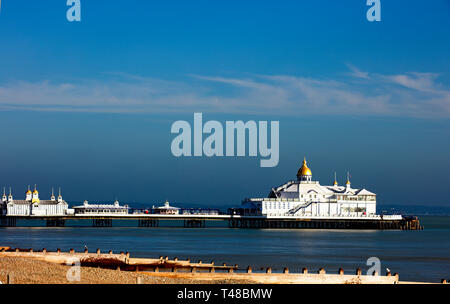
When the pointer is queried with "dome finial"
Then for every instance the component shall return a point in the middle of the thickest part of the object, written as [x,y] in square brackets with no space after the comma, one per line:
[304,173]
[335,179]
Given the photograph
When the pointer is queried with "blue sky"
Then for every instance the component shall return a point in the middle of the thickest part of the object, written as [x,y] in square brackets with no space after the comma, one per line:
[88,106]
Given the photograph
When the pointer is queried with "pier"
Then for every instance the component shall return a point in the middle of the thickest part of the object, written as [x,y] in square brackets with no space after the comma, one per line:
[205,221]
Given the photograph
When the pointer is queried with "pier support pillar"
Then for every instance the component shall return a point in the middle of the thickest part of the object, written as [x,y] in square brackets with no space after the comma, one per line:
[56,222]
[145,223]
[102,222]
[194,223]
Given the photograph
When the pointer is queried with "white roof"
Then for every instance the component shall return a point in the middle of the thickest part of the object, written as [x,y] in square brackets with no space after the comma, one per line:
[293,189]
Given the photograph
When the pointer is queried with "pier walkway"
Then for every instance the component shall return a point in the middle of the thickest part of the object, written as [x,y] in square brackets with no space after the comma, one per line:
[396,222]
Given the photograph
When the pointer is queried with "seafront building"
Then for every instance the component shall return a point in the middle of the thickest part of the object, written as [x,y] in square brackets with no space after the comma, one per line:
[306,197]
[166,209]
[33,205]
[101,209]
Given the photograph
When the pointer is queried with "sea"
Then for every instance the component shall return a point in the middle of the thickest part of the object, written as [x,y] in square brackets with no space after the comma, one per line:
[421,256]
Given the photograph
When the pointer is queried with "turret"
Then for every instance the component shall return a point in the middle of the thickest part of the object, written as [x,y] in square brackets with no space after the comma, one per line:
[28,195]
[4,198]
[335,180]
[347,184]
[52,198]
[304,173]
[35,195]
[60,196]
[10,198]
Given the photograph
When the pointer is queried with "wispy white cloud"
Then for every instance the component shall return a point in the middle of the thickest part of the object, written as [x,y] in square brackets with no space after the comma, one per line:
[407,94]
[355,72]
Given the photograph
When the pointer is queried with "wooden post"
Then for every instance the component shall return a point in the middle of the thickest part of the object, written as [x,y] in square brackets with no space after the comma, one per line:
[341,271]
[110,252]
[269,270]
[286,270]
[249,269]
[305,270]
[98,251]
[358,271]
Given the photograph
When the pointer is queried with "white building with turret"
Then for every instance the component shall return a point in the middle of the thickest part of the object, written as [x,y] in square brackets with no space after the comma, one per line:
[32,205]
[305,197]
[101,209]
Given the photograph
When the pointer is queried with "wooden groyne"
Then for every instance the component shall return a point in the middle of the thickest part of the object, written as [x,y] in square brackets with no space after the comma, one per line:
[110,260]
[163,267]
[286,277]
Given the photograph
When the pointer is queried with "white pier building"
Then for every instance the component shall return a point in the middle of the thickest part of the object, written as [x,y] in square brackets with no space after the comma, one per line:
[305,197]
[101,209]
[32,205]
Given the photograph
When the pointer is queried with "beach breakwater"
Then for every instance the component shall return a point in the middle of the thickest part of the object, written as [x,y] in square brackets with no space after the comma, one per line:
[185,269]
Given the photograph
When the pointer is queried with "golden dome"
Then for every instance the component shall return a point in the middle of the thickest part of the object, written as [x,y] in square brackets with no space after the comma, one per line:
[35,191]
[304,170]
[29,191]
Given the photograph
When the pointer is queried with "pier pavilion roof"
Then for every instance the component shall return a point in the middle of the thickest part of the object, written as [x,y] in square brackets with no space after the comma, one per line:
[293,189]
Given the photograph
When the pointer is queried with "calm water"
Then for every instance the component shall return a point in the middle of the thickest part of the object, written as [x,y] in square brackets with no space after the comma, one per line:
[415,255]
